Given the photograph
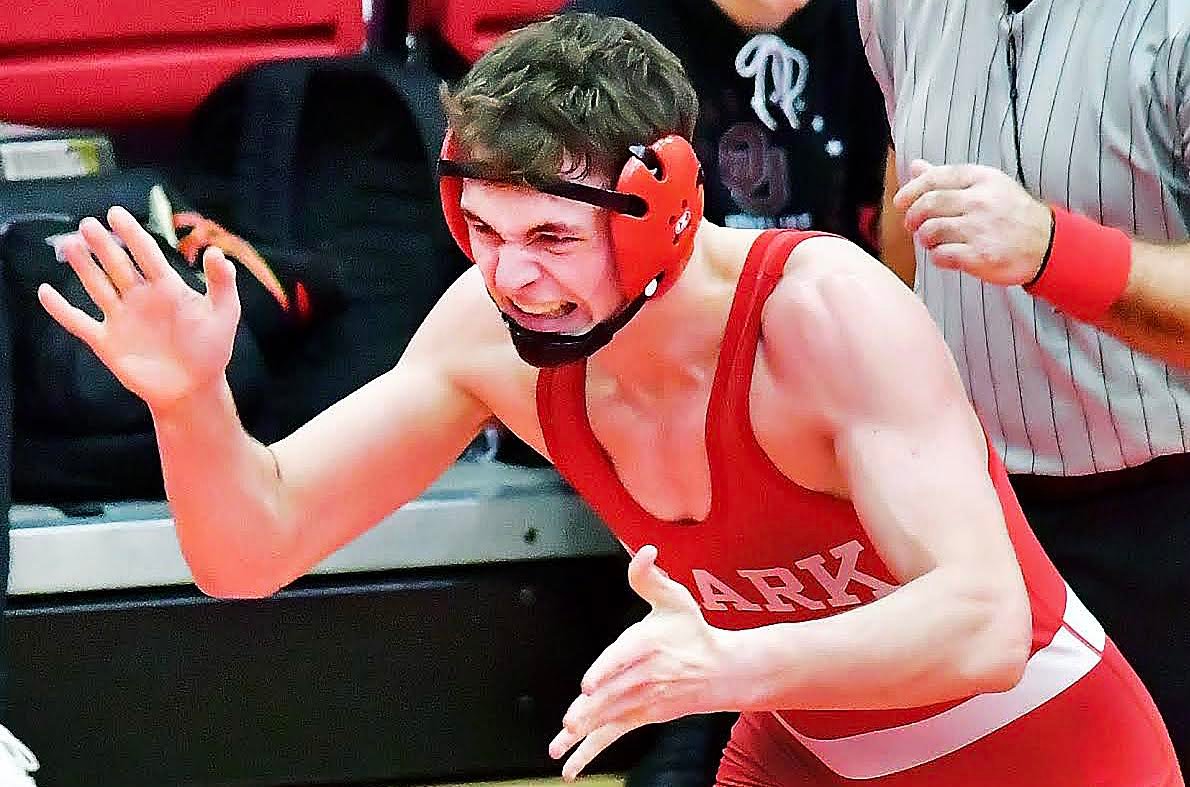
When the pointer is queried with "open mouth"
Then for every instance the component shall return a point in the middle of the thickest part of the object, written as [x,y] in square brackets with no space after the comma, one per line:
[546,311]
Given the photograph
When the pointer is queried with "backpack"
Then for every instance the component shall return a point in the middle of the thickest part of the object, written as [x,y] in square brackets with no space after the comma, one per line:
[326,166]
[78,434]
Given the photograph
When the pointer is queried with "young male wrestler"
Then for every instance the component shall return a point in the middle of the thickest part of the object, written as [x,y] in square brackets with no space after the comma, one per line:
[771,422]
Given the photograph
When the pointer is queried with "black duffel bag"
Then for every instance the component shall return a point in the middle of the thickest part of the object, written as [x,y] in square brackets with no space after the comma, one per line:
[78,434]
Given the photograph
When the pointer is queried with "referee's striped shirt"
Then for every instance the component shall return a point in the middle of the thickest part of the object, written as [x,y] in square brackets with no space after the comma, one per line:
[1104,108]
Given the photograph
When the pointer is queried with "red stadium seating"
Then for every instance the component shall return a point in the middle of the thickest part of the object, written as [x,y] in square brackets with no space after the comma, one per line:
[472,26]
[113,62]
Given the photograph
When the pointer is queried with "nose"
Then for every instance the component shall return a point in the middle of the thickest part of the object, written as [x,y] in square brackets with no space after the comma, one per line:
[515,268]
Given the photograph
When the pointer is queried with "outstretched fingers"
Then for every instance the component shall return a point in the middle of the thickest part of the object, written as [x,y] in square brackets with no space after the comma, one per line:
[221,281]
[592,746]
[73,319]
[144,248]
[111,256]
[94,280]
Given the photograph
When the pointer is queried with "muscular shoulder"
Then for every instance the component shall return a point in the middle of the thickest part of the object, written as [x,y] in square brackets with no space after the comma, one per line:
[825,270]
[464,334]
[843,332]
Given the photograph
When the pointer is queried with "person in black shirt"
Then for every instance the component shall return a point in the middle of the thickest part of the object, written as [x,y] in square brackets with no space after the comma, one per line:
[792,130]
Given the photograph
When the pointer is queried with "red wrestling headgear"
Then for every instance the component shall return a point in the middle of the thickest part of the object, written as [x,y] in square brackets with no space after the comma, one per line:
[656,208]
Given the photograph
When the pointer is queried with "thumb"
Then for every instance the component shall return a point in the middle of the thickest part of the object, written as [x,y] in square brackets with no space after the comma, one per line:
[651,583]
[221,280]
[918,167]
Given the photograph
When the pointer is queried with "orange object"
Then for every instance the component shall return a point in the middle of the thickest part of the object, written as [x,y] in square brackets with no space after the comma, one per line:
[202,232]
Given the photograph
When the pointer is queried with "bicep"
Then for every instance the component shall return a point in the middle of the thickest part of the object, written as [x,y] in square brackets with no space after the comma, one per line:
[912,451]
[385,442]
[922,490]
[907,443]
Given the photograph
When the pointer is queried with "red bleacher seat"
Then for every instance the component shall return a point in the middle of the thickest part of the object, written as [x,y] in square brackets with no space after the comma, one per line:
[114,62]
[472,26]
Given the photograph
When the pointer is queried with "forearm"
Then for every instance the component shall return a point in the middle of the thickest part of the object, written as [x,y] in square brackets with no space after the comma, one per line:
[1153,315]
[896,244]
[937,638]
[223,491]
[1136,291]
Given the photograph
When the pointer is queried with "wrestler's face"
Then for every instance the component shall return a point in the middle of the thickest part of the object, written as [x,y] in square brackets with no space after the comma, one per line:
[547,261]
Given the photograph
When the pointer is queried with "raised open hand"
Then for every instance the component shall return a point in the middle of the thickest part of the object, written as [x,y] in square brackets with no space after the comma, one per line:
[161,338]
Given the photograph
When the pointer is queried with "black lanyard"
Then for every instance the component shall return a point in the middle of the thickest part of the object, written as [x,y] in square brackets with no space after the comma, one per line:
[1014,93]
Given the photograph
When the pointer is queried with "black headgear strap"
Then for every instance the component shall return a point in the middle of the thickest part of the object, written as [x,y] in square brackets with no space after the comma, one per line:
[616,201]
[546,348]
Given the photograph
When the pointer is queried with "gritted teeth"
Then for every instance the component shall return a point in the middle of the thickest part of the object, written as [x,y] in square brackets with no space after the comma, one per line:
[551,309]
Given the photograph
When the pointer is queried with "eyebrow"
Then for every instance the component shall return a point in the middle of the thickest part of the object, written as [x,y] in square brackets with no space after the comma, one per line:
[545,228]
[470,215]
[553,228]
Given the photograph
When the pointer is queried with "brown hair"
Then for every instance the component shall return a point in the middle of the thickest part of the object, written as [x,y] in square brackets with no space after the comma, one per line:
[573,91]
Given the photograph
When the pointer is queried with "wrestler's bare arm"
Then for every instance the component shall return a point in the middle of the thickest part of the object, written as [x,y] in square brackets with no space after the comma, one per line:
[845,335]
[382,445]
[251,518]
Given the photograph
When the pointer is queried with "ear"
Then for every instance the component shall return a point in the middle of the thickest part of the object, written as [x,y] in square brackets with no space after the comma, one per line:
[450,190]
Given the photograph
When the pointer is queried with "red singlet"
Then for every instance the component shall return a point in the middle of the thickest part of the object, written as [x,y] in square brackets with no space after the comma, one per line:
[771,551]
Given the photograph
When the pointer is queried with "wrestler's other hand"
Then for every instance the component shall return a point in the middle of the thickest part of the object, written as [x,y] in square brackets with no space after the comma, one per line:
[668,665]
[161,338]
[975,219]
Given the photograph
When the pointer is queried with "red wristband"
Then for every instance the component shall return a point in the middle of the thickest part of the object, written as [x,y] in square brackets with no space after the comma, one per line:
[1087,267]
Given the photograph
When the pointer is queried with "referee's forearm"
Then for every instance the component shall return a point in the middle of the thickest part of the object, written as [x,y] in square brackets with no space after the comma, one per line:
[1153,315]
[896,243]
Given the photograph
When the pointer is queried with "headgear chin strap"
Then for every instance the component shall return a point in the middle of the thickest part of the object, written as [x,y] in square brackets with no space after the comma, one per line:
[656,208]
[547,348]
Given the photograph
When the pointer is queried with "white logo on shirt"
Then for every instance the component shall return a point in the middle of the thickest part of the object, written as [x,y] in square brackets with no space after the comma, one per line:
[766,57]
[778,589]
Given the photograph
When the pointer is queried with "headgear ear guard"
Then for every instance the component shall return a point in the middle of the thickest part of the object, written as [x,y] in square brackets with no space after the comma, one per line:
[656,207]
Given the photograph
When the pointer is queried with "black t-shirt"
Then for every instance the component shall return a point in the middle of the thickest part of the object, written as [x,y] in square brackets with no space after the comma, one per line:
[792,129]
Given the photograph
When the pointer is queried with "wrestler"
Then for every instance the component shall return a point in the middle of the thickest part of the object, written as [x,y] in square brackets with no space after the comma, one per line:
[770,421]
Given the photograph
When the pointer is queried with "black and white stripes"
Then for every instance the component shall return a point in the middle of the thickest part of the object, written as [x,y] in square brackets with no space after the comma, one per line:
[1104,103]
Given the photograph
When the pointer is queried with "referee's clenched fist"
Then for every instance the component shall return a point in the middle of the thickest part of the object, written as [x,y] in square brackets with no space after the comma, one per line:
[976,219]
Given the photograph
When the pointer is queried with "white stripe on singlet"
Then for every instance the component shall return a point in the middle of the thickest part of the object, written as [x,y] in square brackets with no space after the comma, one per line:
[1074,651]
[1104,107]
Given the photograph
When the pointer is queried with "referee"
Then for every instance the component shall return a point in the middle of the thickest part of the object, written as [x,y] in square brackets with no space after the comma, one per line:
[1043,151]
